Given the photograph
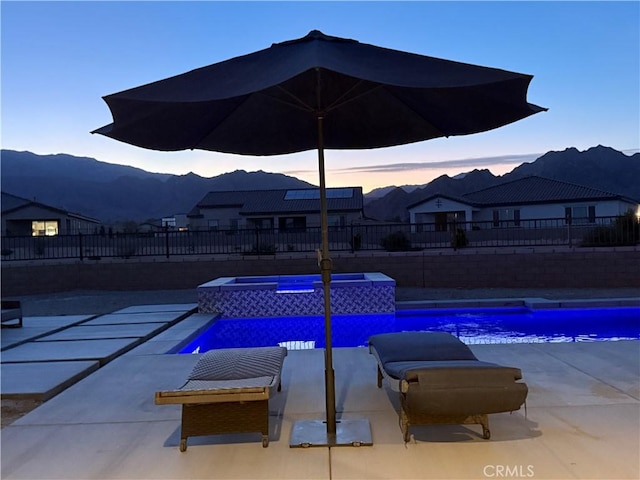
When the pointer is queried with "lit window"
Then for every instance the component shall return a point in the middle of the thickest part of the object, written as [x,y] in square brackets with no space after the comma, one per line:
[41,228]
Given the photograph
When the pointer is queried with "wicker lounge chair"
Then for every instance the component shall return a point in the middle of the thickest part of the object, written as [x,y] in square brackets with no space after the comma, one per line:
[441,381]
[228,392]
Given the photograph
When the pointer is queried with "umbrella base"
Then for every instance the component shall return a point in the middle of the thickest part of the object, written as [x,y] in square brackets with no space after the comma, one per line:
[313,433]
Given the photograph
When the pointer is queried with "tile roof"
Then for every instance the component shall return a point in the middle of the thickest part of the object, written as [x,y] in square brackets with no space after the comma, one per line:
[263,202]
[535,189]
[11,203]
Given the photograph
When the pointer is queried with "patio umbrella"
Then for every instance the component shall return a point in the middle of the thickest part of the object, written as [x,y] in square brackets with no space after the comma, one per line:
[318,92]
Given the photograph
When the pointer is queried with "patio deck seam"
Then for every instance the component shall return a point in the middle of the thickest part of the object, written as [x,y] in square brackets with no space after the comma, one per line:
[581,370]
[132,343]
[47,333]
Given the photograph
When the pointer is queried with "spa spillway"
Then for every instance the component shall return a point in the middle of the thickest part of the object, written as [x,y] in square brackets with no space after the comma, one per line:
[293,295]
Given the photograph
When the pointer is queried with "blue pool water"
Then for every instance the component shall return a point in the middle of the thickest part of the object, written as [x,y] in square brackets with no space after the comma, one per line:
[473,326]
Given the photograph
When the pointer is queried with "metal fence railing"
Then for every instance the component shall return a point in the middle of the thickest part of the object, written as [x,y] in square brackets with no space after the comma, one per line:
[601,231]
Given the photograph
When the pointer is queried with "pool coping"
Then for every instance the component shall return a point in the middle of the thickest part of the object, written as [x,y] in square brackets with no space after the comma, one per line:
[531,303]
[179,333]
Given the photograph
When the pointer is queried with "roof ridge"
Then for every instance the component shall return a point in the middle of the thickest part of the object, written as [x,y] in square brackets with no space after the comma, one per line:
[541,177]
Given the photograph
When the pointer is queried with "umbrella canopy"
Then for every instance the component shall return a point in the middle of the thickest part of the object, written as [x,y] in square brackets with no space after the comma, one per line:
[318,92]
[267,102]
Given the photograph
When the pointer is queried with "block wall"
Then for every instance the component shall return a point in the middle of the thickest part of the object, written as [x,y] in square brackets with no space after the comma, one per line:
[507,268]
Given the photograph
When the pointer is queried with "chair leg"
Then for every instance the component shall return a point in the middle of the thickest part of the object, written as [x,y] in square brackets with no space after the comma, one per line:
[436,419]
[379,377]
[224,417]
[404,426]
[484,421]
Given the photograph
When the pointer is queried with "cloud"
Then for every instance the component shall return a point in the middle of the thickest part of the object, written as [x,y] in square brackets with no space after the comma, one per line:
[631,151]
[455,164]
[448,164]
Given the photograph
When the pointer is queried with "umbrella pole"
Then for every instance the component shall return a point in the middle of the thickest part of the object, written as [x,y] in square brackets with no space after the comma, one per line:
[325,270]
[346,432]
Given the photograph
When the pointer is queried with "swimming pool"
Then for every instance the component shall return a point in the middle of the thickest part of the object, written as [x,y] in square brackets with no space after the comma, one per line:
[471,325]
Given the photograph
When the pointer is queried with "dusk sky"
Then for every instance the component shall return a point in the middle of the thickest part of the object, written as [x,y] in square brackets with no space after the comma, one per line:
[60,58]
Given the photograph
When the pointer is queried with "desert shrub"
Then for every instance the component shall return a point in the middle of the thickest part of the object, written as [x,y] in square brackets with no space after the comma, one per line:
[356,242]
[396,242]
[598,237]
[624,231]
[39,245]
[628,228]
[126,248]
[263,249]
[459,238]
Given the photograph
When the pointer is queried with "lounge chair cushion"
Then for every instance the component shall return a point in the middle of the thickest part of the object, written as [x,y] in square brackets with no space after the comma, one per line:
[419,347]
[480,388]
[437,359]
[229,375]
[240,384]
[239,363]
[408,370]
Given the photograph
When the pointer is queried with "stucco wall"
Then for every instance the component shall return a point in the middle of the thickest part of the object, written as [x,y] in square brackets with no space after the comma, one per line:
[466,268]
[608,208]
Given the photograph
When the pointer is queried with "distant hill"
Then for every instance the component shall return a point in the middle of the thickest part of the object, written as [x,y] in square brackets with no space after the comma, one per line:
[113,193]
[29,165]
[382,191]
[599,167]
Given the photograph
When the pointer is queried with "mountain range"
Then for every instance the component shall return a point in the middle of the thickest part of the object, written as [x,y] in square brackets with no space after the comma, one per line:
[599,167]
[112,193]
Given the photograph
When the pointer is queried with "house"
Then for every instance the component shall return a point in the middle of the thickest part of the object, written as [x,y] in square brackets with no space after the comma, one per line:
[283,210]
[177,222]
[512,202]
[22,217]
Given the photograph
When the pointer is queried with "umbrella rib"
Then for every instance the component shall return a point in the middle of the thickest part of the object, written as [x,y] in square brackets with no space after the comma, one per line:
[298,103]
[419,115]
[339,103]
[299,106]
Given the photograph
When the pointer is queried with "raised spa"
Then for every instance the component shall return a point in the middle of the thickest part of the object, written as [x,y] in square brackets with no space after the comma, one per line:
[295,295]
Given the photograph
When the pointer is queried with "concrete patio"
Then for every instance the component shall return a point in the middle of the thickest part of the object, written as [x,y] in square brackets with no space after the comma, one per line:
[99,374]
